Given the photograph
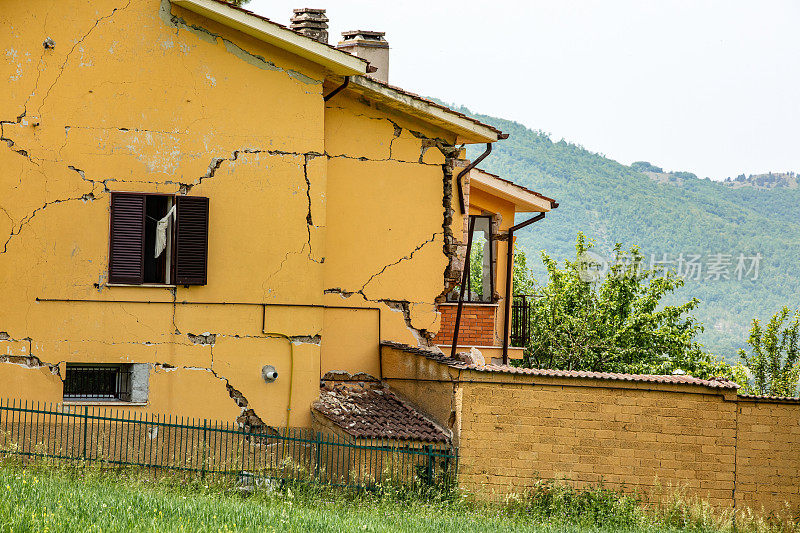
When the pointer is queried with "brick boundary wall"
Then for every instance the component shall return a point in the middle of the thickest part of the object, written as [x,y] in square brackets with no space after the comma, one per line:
[477,325]
[513,429]
[732,452]
[627,438]
[768,453]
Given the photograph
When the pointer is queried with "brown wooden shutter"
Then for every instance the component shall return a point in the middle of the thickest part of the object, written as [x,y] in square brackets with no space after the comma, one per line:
[126,248]
[191,240]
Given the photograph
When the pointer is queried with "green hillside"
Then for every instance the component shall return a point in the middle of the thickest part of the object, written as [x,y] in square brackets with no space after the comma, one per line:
[663,213]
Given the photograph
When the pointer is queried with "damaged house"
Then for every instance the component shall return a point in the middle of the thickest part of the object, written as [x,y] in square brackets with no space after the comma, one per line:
[209,214]
[206,214]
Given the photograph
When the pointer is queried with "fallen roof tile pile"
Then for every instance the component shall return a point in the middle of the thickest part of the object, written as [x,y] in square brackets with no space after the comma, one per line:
[376,413]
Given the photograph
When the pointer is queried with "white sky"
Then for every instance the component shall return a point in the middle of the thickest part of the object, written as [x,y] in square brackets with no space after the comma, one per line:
[712,87]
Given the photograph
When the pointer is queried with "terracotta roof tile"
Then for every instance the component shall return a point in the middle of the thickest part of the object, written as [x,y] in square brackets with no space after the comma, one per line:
[500,134]
[376,413]
[542,372]
[543,197]
[781,399]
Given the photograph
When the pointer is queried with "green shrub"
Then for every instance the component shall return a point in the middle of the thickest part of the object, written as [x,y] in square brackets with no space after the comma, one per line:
[596,506]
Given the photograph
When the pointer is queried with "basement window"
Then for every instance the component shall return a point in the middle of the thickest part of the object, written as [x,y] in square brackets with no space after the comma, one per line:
[158,239]
[98,382]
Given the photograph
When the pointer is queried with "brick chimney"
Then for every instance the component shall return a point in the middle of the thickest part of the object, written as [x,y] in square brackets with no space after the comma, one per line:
[311,23]
[369,45]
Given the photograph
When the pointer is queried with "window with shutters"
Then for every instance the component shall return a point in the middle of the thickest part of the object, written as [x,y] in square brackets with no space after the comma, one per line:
[158,239]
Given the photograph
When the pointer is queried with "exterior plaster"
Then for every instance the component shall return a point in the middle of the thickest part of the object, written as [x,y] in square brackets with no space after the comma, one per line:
[345,203]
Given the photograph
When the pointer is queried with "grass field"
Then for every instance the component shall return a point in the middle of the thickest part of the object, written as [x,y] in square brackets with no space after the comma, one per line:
[87,500]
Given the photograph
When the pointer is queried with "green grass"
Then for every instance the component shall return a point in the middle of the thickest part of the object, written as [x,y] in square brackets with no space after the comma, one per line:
[61,500]
[58,499]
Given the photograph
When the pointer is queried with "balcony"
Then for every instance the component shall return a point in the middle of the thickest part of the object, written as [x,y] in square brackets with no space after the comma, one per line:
[521,317]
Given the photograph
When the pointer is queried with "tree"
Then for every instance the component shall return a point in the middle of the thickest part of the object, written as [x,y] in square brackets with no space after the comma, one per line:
[476,268]
[610,318]
[774,362]
[236,2]
[523,282]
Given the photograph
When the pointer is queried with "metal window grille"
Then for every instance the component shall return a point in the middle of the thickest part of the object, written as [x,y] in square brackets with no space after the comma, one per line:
[521,320]
[84,382]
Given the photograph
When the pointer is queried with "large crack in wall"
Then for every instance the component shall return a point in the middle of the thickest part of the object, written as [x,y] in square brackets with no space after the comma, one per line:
[28,361]
[166,15]
[101,186]
[407,257]
[453,269]
[248,419]
[451,245]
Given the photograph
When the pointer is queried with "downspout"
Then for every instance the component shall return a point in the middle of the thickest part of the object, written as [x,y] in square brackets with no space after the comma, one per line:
[291,363]
[336,90]
[509,277]
[464,172]
[464,280]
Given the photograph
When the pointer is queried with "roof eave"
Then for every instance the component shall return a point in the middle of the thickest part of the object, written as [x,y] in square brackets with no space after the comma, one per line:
[466,130]
[340,63]
[524,201]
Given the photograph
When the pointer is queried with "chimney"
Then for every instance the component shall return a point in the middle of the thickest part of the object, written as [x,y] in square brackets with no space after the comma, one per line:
[311,23]
[369,45]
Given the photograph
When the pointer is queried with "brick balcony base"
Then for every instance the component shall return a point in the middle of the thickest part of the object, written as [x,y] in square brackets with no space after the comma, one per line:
[477,324]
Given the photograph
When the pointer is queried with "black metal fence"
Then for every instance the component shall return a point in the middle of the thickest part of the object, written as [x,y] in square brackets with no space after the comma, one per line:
[521,317]
[69,433]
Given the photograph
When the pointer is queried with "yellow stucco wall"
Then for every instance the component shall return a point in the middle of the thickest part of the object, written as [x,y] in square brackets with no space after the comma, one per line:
[310,205]
[385,233]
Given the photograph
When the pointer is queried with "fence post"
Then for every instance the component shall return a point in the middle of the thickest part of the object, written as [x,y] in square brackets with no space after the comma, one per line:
[319,455]
[85,428]
[429,469]
[203,467]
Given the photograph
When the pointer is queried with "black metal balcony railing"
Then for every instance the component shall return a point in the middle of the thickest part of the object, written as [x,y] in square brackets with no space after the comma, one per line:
[521,319]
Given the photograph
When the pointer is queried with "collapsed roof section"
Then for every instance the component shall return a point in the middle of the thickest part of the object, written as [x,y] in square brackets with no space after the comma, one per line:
[376,413]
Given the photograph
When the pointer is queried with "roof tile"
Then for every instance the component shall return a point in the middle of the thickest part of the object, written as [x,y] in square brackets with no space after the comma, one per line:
[543,372]
[376,413]
[540,195]
[766,398]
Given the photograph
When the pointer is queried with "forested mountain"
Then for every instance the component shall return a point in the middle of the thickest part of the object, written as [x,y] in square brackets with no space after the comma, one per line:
[770,180]
[680,219]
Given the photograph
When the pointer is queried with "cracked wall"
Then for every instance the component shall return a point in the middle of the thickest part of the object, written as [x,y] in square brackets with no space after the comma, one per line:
[309,204]
[146,97]
[387,223]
